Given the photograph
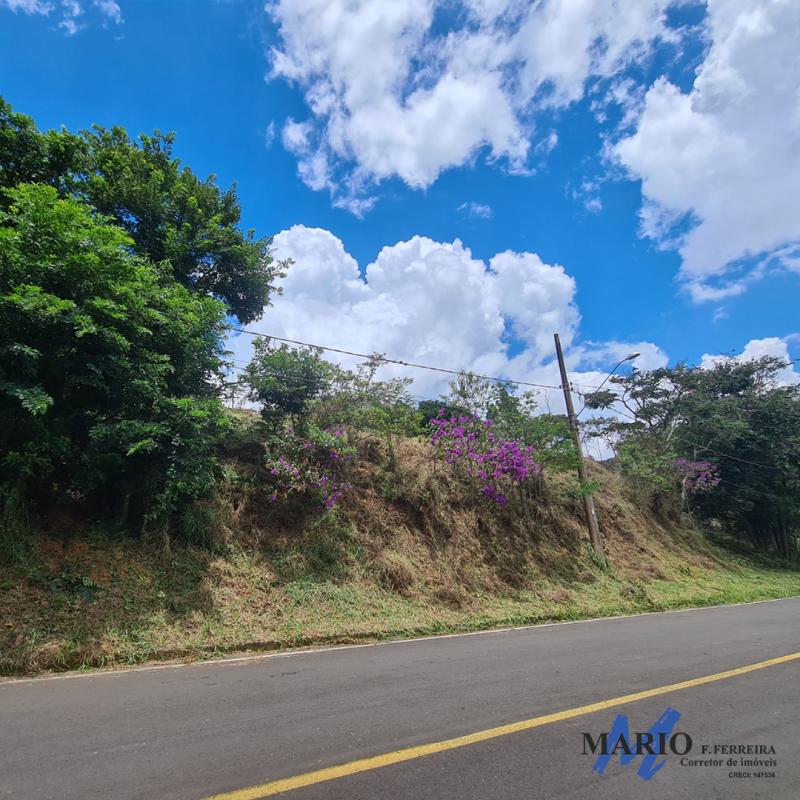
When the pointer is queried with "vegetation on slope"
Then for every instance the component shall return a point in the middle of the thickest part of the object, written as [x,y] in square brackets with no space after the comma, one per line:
[139,518]
[408,551]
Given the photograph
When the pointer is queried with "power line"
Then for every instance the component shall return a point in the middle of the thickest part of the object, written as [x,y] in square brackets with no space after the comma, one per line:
[386,360]
[576,387]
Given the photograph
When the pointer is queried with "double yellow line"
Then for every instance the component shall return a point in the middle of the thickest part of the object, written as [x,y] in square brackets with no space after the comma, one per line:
[409,753]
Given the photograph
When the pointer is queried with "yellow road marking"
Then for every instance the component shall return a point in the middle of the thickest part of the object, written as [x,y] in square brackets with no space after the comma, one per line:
[407,754]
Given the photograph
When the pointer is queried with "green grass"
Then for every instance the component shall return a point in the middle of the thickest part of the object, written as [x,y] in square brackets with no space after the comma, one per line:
[193,603]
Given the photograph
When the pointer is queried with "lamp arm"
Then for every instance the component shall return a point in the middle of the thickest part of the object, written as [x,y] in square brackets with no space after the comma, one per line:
[605,380]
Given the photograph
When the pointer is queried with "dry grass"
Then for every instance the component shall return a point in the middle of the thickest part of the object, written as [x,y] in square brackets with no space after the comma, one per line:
[410,552]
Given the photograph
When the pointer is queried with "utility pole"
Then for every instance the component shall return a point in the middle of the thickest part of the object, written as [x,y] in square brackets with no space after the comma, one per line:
[595,537]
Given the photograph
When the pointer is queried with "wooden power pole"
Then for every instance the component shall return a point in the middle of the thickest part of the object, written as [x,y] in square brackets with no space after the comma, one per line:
[595,537]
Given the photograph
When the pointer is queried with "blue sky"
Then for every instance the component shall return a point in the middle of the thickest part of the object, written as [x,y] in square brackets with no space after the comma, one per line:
[206,70]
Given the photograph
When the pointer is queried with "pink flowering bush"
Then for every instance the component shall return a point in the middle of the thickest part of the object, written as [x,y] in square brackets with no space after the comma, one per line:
[697,476]
[469,443]
[312,463]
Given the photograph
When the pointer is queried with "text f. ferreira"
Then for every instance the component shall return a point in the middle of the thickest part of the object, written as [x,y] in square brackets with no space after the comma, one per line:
[742,761]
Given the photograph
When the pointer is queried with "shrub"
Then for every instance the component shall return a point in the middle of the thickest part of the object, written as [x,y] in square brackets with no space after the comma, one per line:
[313,463]
[469,443]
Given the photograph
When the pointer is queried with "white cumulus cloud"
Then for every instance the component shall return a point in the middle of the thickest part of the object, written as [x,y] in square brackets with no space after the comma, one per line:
[724,157]
[410,88]
[435,303]
[758,348]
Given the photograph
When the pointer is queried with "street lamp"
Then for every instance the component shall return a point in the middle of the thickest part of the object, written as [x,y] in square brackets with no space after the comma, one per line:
[629,357]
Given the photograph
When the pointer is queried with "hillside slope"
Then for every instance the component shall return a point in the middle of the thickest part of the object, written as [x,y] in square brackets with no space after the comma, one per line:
[409,551]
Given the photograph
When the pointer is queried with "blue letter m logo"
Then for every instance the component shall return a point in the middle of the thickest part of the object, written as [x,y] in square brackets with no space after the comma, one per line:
[619,743]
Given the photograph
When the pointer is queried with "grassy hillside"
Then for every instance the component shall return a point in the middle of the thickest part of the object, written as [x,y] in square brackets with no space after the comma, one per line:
[409,551]
[140,519]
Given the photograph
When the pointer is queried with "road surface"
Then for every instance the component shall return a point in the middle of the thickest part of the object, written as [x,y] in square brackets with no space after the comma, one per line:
[520,697]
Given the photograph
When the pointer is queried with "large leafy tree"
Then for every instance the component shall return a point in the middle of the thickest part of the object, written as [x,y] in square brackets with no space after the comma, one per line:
[28,155]
[107,364]
[735,416]
[171,215]
[285,381]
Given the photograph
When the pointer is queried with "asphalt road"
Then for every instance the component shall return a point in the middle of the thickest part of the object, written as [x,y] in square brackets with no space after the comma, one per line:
[189,732]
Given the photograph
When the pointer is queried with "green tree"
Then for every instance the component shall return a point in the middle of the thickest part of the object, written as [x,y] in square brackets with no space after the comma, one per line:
[30,156]
[475,394]
[430,409]
[360,399]
[285,380]
[171,215]
[735,416]
[107,364]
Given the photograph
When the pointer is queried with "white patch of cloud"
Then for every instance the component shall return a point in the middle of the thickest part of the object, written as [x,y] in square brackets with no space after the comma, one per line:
[720,313]
[648,356]
[435,303]
[71,10]
[313,163]
[28,6]
[111,10]
[726,155]
[269,134]
[477,210]
[593,205]
[316,171]
[389,95]
[789,257]
[759,348]
[627,96]
[547,144]
[702,292]
[587,194]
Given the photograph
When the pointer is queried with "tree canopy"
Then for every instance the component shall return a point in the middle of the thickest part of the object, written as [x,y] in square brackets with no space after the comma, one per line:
[118,269]
[736,421]
[99,350]
[171,215]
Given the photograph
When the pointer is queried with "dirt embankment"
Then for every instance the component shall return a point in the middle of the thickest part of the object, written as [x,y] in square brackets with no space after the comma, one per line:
[409,551]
